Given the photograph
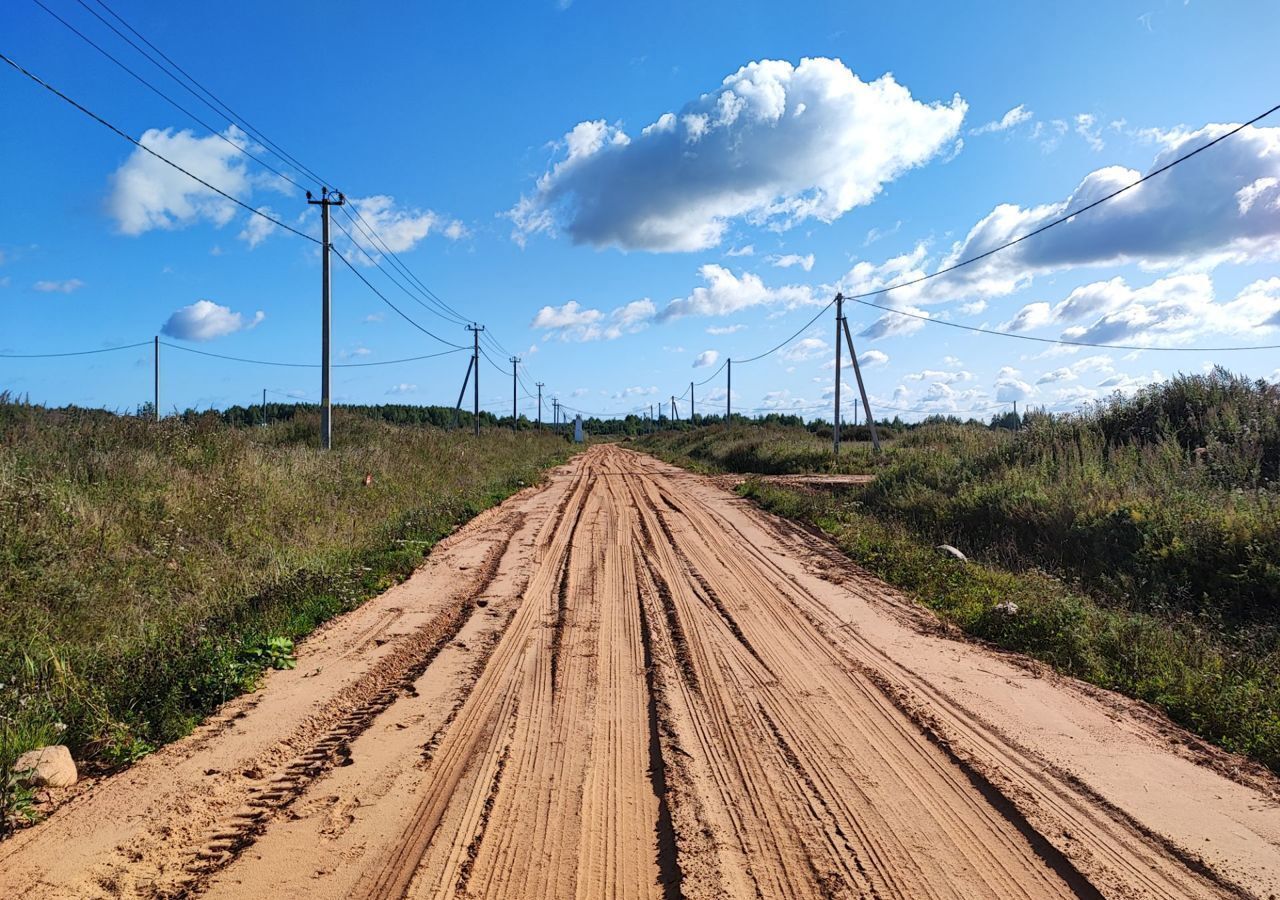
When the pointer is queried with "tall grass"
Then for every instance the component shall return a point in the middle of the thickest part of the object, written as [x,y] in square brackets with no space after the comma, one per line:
[145,566]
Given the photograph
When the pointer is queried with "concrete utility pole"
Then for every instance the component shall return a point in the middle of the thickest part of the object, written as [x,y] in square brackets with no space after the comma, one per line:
[457,407]
[539,383]
[264,406]
[835,431]
[515,403]
[728,394]
[862,387]
[673,411]
[692,416]
[475,371]
[155,399]
[652,424]
[326,412]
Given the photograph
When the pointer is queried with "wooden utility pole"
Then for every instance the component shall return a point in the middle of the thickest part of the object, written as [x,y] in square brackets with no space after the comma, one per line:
[326,411]
[155,398]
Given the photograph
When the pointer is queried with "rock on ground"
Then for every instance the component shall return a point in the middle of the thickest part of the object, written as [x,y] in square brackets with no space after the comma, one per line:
[48,767]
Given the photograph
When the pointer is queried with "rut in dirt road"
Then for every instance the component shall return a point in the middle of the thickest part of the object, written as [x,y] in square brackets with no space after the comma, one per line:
[632,685]
[627,695]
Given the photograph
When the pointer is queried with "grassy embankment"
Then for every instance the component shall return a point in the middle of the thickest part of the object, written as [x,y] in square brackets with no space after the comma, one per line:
[151,571]
[1140,541]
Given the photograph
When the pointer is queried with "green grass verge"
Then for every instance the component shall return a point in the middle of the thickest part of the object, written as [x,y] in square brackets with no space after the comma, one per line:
[1228,696]
[152,571]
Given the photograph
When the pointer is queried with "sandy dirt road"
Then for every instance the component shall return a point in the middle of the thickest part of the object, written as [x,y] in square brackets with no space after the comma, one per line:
[632,684]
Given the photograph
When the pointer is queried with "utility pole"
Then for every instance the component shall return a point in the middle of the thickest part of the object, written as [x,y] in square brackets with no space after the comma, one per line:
[692,416]
[855,412]
[515,403]
[862,387]
[673,411]
[475,370]
[264,406]
[835,431]
[539,383]
[326,412]
[652,424]
[1017,422]
[728,395]
[156,396]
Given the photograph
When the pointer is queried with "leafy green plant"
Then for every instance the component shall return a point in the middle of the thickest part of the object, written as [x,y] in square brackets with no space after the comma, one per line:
[17,801]
[272,653]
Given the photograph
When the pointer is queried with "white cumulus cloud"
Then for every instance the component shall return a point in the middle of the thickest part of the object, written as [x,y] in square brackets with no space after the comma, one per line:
[205,320]
[1222,207]
[147,193]
[706,358]
[775,143]
[400,228]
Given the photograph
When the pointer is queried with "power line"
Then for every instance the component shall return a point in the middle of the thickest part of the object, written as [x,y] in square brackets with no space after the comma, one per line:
[393,280]
[97,118]
[1065,217]
[859,297]
[362,225]
[293,365]
[398,310]
[778,347]
[368,228]
[175,104]
[1043,340]
[73,352]
[713,374]
[221,108]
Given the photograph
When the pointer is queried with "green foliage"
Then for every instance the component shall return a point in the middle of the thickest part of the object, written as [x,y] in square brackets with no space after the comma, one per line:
[151,571]
[273,653]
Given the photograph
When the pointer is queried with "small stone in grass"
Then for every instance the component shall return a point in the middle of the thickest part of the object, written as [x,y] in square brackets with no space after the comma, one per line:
[50,766]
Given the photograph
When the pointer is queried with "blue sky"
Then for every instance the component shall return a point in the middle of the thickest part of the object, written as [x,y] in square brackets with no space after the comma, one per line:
[619,194]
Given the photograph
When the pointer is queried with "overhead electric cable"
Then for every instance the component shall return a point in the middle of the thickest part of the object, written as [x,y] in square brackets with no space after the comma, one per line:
[174,103]
[1066,217]
[293,365]
[799,332]
[398,310]
[374,261]
[1044,340]
[221,108]
[73,352]
[360,223]
[97,118]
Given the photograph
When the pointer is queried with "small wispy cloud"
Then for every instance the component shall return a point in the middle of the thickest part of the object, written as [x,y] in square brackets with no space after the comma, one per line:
[58,287]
